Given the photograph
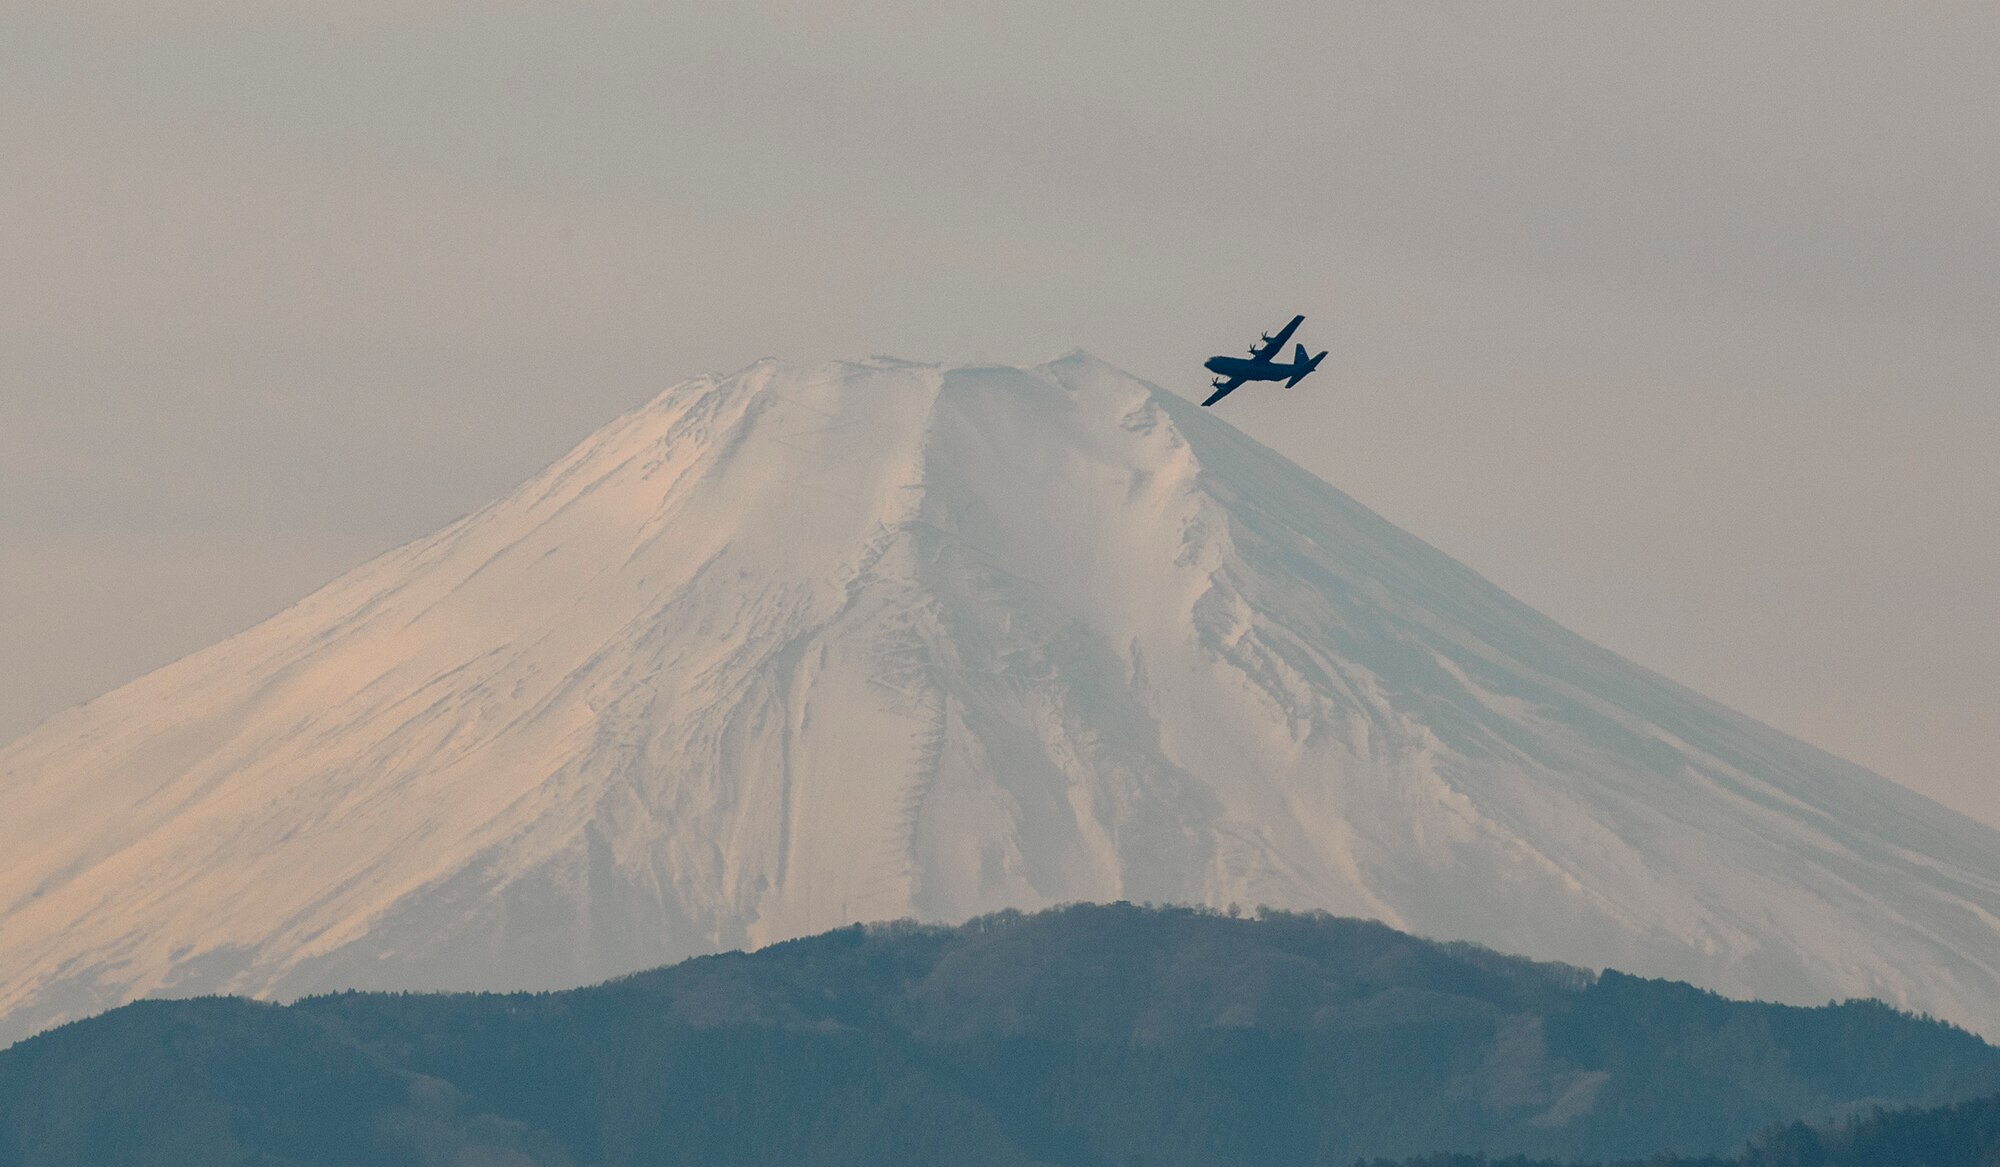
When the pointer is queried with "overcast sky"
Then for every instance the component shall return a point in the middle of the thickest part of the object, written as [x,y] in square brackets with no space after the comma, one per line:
[1675,320]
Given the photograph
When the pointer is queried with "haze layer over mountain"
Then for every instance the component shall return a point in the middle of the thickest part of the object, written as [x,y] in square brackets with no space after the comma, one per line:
[802,646]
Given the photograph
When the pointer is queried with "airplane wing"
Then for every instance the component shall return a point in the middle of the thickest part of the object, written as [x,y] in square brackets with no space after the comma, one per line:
[1272,345]
[1223,389]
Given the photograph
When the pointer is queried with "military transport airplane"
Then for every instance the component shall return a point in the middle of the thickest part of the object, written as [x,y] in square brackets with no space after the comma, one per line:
[1260,366]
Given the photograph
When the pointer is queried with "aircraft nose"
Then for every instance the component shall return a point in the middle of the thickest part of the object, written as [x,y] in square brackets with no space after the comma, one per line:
[1209,364]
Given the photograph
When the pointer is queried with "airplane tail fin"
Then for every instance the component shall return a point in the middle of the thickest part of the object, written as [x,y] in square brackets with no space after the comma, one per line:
[1303,364]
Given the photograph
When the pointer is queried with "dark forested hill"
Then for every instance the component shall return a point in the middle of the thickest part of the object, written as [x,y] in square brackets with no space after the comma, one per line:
[1964,1134]
[1089,1035]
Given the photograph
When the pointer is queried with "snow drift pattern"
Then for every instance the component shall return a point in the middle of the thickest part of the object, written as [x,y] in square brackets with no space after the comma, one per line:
[803,646]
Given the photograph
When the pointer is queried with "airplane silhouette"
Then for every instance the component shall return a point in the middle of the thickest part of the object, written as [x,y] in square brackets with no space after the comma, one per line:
[1260,366]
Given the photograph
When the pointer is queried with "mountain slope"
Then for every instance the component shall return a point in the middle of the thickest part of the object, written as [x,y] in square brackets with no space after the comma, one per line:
[1089,1036]
[802,646]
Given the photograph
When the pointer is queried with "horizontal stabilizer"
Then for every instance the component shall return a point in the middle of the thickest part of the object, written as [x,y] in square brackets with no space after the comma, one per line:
[1302,365]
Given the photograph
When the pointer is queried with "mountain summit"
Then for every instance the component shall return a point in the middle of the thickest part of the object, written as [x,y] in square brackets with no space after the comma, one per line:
[802,646]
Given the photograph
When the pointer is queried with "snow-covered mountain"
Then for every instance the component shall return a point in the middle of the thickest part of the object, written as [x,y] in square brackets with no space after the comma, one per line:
[803,646]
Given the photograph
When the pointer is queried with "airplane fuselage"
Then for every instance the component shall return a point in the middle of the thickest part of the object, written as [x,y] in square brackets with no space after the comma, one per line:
[1250,370]
[1260,366]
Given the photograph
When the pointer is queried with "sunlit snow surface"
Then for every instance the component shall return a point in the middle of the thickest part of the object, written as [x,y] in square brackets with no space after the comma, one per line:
[803,646]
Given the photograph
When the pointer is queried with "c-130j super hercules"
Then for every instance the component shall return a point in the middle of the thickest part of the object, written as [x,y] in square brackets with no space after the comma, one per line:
[1260,366]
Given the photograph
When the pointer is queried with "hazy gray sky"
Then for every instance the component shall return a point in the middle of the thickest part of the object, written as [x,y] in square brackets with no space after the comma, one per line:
[1678,321]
